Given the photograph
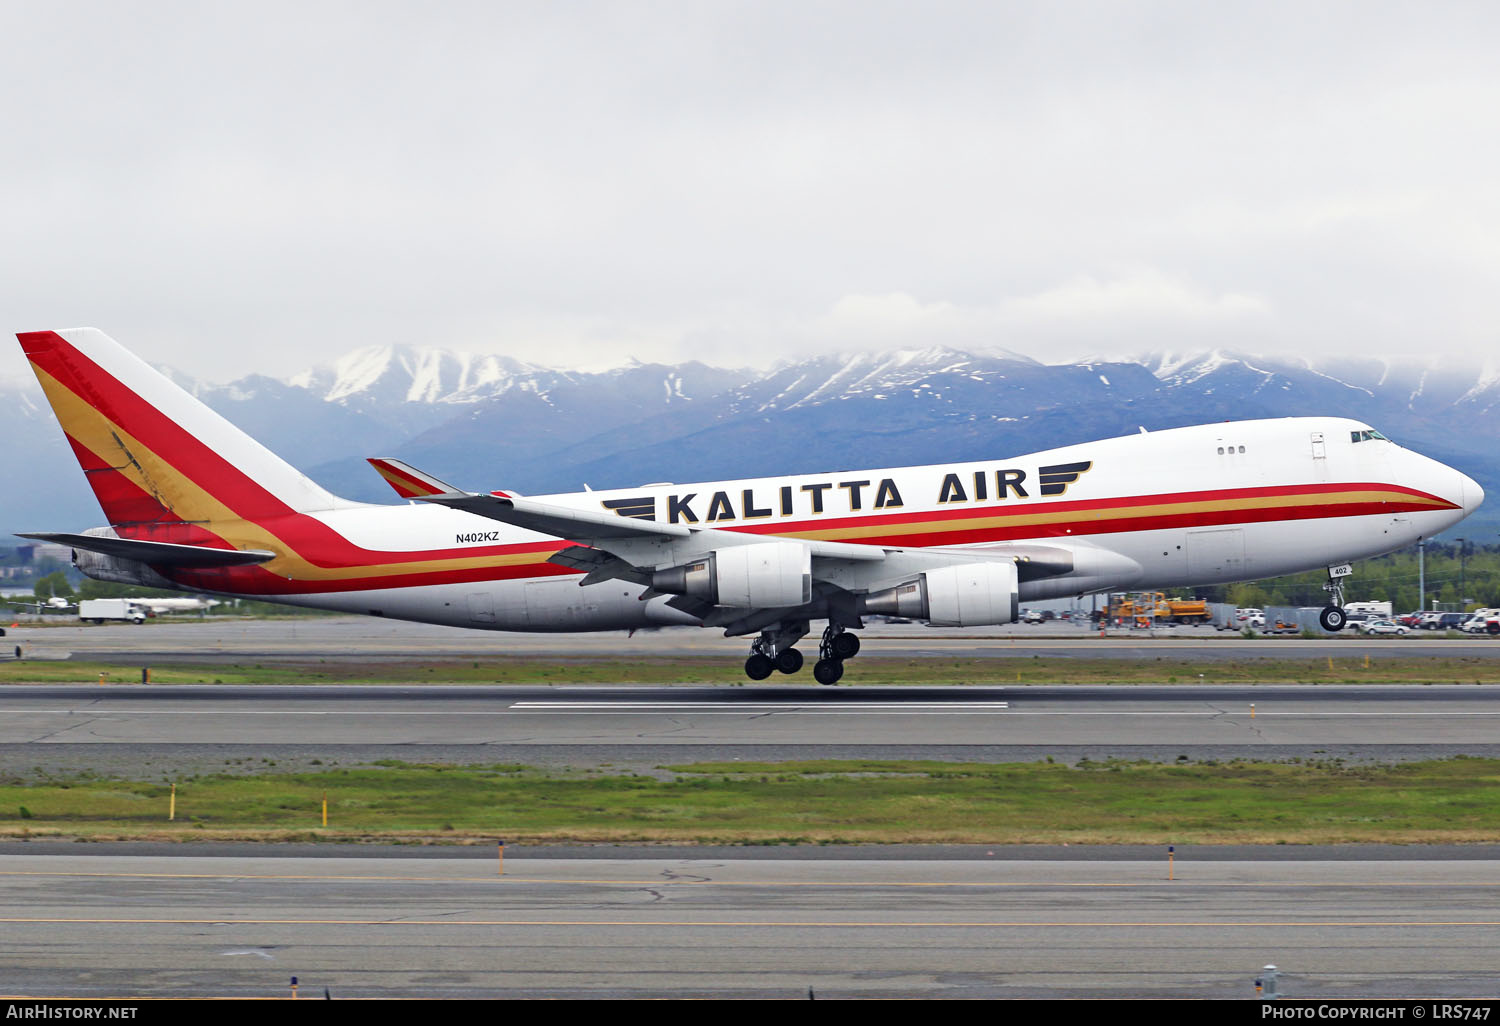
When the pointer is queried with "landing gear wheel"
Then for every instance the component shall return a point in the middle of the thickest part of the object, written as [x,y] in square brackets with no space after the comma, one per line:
[828,671]
[758,667]
[846,645]
[1333,619]
[789,660]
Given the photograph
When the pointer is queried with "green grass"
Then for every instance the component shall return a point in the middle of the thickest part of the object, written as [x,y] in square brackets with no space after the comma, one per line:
[868,669]
[809,802]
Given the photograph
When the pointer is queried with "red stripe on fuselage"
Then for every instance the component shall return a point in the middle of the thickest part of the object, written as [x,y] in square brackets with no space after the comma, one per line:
[257,580]
[1026,508]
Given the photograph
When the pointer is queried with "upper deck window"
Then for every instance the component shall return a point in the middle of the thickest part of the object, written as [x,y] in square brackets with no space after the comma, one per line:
[1367,435]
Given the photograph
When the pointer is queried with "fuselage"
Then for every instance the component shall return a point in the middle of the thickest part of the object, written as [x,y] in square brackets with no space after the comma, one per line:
[1202,505]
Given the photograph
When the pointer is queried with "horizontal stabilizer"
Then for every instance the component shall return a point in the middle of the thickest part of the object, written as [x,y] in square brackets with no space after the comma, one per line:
[157,553]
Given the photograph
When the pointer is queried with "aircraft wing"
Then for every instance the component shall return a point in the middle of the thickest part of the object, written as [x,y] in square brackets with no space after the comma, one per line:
[596,529]
[756,578]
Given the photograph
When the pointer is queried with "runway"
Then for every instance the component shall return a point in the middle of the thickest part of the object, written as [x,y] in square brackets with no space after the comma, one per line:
[331,715]
[122,926]
[131,730]
[222,639]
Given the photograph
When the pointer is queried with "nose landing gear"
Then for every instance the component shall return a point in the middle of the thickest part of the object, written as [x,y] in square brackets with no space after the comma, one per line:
[1333,617]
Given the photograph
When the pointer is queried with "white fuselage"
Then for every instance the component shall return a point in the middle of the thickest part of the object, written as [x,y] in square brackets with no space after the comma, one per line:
[1191,506]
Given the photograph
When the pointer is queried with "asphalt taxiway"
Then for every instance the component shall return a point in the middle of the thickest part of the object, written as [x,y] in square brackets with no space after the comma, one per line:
[647,926]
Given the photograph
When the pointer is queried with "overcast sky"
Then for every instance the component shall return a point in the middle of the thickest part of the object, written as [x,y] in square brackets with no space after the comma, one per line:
[236,187]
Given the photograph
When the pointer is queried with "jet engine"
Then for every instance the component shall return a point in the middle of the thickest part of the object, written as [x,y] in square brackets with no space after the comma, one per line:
[966,595]
[760,575]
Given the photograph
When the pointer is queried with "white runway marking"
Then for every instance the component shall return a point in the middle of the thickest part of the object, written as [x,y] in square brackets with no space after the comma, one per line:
[757,706]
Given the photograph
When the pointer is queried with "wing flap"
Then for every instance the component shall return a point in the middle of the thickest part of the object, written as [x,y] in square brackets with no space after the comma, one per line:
[598,566]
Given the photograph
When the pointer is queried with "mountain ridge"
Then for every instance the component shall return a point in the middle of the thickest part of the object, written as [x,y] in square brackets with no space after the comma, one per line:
[488,421]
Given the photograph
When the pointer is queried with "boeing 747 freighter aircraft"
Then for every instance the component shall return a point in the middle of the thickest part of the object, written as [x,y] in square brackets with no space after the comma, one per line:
[194,503]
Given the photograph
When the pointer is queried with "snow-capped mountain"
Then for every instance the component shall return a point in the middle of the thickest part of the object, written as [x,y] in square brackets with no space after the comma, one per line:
[413,374]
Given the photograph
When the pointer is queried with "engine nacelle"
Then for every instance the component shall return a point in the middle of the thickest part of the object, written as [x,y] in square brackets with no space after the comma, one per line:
[760,575]
[966,595]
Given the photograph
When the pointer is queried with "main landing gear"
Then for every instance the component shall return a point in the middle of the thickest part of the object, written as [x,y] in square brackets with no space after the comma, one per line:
[773,651]
[836,646]
[1333,617]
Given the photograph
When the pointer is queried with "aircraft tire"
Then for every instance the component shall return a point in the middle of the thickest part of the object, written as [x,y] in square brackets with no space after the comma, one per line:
[758,667]
[845,645]
[789,660]
[828,671]
[1493,628]
[1333,619]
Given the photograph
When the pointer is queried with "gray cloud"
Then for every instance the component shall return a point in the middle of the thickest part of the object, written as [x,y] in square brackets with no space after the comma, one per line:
[261,186]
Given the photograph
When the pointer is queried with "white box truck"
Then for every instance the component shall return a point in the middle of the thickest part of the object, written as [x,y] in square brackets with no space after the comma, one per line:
[99,610]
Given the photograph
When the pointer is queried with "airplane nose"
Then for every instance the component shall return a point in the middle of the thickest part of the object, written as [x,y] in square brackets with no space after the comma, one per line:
[1470,494]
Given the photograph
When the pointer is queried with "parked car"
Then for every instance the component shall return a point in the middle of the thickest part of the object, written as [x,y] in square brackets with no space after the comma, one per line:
[1382,627]
[1442,621]
[1482,621]
[1032,616]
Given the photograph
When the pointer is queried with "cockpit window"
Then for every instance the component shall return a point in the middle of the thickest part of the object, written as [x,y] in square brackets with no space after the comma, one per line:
[1367,435]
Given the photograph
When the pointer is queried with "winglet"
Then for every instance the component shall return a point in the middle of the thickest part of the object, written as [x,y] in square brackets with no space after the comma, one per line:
[409,482]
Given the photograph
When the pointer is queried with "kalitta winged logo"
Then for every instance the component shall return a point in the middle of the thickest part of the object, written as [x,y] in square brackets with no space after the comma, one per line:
[641,508]
[1055,480]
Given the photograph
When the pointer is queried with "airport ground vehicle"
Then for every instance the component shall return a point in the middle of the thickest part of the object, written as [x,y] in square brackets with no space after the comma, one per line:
[1144,609]
[99,610]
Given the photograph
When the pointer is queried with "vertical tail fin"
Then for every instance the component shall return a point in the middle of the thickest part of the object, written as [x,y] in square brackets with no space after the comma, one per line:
[154,455]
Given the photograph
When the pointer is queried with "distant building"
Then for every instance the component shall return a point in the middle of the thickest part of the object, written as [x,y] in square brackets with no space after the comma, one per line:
[31,555]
